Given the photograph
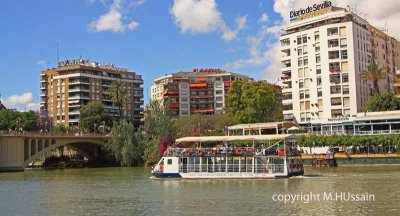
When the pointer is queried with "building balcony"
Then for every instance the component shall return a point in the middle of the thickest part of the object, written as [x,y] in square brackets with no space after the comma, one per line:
[73,120]
[73,113]
[79,97]
[78,90]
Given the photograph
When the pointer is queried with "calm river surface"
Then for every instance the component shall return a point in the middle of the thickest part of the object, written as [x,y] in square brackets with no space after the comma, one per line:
[130,191]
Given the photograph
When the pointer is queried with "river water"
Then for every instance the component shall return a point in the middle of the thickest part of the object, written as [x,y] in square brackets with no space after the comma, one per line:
[130,191]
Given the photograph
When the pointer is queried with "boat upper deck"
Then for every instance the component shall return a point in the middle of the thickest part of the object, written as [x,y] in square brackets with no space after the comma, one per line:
[229,152]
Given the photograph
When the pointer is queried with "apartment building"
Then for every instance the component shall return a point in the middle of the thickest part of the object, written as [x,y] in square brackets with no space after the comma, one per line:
[74,83]
[200,91]
[323,55]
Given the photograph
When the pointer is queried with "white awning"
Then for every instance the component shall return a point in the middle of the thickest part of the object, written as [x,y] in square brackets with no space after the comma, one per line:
[236,138]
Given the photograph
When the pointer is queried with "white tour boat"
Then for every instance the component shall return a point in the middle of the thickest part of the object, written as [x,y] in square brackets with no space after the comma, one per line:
[275,161]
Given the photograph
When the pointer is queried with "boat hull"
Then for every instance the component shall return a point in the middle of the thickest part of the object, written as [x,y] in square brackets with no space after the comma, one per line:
[222,176]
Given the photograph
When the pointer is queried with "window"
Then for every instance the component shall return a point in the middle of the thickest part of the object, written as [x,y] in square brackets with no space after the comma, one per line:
[285,42]
[299,51]
[307,94]
[301,94]
[184,106]
[333,43]
[336,89]
[344,54]
[184,85]
[345,66]
[346,90]
[316,36]
[305,61]
[304,38]
[334,78]
[298,40]
[317,47]
[300,62]
[336,113]
[318,69]
[169,161]
[307,105]
[219,85]
[343,43]
[288,106]
[219,105]
[346,102]
[302,107]
[319,92]
[218,92]
[333,32]
[333,54]
[185,99]
[306,83]
[347,113]
[318,58]
[301,84]
[319,81]
[320,103]
[305,50]
[336,101]
[219,98]
[342,31]
[301,72]
[184,92]
[345,78]
[306,72]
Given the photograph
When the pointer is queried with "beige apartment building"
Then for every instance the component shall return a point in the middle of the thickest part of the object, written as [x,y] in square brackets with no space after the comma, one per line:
[74,83]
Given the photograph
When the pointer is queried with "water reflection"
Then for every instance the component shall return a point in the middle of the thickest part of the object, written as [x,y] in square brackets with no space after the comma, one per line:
[130,191]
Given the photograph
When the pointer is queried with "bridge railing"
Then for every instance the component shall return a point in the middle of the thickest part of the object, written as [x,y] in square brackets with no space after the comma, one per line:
[53,134]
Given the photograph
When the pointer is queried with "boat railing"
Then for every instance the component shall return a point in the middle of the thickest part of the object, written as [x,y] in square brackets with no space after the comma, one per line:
[232,168]
[226,151]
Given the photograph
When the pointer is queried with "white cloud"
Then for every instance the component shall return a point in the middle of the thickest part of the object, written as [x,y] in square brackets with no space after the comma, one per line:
[22,102]
[264,18]
[194,16]
[114,19]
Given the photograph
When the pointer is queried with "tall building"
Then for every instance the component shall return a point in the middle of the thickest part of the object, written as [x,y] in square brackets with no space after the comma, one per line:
[324,51]
[199,91]
[74,83]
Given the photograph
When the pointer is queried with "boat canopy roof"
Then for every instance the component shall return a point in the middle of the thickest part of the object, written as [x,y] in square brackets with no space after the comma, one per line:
[236,138]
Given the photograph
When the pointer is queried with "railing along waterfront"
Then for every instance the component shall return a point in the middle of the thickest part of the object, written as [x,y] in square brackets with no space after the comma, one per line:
[52,134]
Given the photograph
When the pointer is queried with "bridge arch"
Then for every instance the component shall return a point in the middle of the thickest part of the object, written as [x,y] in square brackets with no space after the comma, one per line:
[51,144]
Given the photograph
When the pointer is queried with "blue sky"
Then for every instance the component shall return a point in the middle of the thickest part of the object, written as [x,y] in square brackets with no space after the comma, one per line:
[158,45]
[150,37]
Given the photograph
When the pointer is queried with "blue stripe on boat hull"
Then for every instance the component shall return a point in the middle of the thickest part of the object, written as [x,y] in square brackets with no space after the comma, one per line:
[167,175]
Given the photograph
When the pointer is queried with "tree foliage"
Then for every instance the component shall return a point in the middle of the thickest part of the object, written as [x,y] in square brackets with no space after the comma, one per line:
[160,131]
[126,144]
[119,95]
[200,125]
[92,115]
[253,102]
[374,74]
[26,120]
[382,102]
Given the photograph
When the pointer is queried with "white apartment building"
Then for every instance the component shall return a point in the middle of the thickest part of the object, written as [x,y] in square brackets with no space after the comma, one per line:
[322,59]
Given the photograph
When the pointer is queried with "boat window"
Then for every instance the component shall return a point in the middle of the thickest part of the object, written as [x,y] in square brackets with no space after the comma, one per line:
[169,161]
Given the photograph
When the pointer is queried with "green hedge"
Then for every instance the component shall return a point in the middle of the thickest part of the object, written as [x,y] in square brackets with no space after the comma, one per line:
[347,140]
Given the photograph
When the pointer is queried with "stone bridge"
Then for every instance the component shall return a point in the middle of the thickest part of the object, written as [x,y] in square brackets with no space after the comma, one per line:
[18,151]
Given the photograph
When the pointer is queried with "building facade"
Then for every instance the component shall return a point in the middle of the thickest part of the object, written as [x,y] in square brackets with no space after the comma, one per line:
[200,91]
[74,83]
[323,57]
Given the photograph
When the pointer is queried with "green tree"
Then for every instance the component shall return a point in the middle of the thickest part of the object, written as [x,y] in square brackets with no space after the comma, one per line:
[127,145]
[199,125]
[92,116]
[26,120]
[253,102]
[119,95]
[60,128]
[160,130]
[382,102]
[374,74]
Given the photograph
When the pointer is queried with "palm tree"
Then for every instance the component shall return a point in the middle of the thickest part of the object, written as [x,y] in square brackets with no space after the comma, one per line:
[118,95]
[374,74]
